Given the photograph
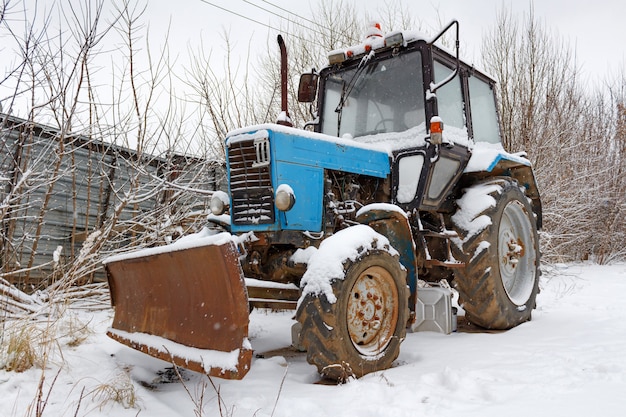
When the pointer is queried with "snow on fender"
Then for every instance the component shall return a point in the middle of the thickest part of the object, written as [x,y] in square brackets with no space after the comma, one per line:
[326,264]
[354,307]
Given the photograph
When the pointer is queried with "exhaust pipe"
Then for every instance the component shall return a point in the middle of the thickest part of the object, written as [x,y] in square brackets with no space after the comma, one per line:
[283,118]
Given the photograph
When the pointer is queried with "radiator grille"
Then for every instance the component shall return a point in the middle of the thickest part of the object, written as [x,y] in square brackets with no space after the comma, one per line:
[251,188]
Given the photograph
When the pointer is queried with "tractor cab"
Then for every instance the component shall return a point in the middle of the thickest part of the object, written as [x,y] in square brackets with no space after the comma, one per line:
[400,82]
[398,91]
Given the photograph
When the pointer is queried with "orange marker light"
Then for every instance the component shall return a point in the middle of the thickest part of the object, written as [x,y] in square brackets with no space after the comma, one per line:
[436,126]
[436,130]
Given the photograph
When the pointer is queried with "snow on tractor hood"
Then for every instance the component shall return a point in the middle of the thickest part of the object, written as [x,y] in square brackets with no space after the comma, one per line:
[244,133]
[382,142]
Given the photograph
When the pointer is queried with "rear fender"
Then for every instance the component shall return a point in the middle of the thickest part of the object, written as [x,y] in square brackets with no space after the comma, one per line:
[493,160]
[526,178]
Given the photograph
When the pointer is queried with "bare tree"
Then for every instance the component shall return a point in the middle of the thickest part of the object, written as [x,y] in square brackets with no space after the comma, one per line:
[569,133]
[247,91]
[92,168]
[224,96]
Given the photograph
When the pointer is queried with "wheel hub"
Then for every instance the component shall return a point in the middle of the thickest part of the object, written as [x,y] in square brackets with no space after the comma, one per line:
[512,251]
[516,254]
[372,311]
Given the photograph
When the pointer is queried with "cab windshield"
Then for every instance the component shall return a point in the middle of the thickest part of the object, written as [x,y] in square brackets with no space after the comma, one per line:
[384,96]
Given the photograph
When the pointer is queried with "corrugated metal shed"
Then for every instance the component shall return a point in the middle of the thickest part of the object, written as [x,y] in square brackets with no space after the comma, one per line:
[56,190]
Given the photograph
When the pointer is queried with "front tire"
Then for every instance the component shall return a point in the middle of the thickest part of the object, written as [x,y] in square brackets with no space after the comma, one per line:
[362,331]
[499,284]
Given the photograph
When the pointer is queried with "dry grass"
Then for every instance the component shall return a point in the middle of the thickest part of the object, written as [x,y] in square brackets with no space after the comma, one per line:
[119,390]
[19,348]
[26,343]
[72,331]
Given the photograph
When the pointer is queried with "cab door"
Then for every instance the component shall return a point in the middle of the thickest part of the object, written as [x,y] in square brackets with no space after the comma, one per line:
[446,162]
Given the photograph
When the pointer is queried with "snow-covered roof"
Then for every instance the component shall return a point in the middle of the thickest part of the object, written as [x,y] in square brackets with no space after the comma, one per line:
[374,42]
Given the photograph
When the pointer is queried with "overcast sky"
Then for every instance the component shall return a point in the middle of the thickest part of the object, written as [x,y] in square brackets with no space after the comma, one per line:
[596,29]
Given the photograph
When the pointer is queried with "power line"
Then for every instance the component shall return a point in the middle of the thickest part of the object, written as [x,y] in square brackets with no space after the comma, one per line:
[283,17]
[296,15]
[238,14]
[254,21]
[333,32]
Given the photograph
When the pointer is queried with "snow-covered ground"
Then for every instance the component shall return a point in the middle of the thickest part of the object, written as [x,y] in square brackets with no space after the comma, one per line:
[570,360]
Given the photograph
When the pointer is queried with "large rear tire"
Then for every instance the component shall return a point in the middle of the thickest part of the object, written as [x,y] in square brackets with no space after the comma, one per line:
[362,331]
[499,284]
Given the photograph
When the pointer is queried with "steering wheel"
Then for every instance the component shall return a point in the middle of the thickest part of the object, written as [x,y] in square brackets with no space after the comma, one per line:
[382,123]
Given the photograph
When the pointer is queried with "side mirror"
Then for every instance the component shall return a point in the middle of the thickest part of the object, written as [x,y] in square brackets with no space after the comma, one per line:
[307,90]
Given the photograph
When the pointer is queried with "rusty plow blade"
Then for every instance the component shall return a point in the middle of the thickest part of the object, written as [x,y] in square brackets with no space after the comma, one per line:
[184,305]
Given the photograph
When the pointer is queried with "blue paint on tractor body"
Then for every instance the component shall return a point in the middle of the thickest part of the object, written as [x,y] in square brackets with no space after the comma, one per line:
[299,159]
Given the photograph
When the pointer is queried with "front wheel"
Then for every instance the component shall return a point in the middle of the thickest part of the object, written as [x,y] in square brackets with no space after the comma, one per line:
[499,283]
[362,330]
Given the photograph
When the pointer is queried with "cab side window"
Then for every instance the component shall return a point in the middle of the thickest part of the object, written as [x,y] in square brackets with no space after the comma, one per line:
[484,115]
[449,97]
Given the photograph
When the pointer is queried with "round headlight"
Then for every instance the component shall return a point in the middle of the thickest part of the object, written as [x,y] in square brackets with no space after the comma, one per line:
[219,203]
[285,198]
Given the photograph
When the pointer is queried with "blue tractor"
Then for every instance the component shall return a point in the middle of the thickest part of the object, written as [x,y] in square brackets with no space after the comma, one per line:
[340,220]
